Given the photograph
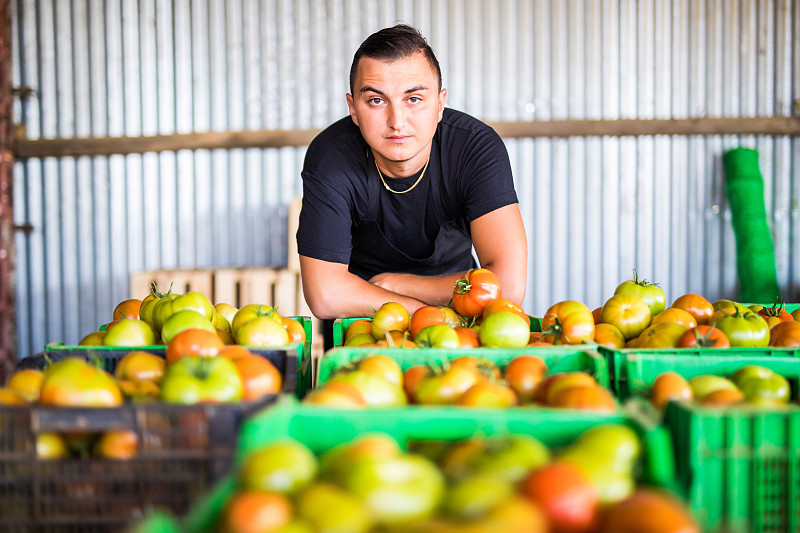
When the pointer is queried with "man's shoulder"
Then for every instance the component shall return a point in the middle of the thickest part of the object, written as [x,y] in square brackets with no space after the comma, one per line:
[340,141]
[458,120]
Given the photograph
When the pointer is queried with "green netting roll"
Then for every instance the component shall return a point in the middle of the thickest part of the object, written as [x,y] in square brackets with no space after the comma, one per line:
[755,256]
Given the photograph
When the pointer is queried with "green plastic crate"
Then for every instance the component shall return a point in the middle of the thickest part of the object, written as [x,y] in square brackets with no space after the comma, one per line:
[558,358]
[739,467]
[633,370]
[321,429]
[340,326]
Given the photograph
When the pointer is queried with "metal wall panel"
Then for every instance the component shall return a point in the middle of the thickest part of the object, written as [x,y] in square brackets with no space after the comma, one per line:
[594,208]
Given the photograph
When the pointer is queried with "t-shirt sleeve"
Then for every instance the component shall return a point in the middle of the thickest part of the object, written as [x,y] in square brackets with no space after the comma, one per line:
[324,229]
[488,183]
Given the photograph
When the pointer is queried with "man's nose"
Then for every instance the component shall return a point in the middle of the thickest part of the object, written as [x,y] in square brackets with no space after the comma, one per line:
[396,117]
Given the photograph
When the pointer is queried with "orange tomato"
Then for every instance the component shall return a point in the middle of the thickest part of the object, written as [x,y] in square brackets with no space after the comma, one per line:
[566,496]
[191,342]
[704,336]
[427,315]
[468,337]
[337,394]
[294,328]
[503,304]
[669,386]
[27,382]
[259,377]
[609,335]
[523,374]
[676,315]
[139,365]
[362,326]
[586,397]
[119,444]
[411,378]
[700,308]
[384,366]
[488,394]
[235,352]
[649,511]
[256,511]
[127,309]
[567,322]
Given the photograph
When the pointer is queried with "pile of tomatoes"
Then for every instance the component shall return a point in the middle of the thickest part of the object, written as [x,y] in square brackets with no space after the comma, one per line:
[159,317]
[510,483]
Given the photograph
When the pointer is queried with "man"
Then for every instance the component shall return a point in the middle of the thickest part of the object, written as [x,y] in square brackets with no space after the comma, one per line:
[396,194]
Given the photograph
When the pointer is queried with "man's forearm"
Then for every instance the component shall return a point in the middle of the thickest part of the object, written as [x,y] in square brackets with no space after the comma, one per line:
[432,290]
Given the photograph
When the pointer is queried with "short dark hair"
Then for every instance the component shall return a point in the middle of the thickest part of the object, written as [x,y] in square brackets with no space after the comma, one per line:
[393,43]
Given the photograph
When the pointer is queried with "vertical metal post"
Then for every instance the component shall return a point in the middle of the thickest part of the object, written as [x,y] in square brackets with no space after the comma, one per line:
[8,319]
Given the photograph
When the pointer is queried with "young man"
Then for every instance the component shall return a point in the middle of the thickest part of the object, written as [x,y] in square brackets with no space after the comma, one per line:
[396,194]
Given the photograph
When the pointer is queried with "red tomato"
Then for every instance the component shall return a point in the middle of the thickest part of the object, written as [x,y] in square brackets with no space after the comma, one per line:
[700,308]
[191,342]
[259,377]
[127,309]
[785,334]
[567,322]
[425,316]
[467,337]
[704,337]
[566,495]
[477,289]
[523,374]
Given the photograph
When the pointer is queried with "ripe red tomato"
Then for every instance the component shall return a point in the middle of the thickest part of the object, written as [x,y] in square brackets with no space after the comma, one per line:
[567,496]
[523,373]
[127,309]
[703,337]
[785,334]
[427,315]
[477,289]
[567,322]
[700,308]
[629,313]
[259,377]
[191,342]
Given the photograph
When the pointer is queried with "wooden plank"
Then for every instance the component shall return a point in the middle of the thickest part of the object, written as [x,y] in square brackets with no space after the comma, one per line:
[25,148]
[182,281]
[8,298]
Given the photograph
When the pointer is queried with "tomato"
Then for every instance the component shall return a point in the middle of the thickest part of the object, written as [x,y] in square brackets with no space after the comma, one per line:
[427,315]
[397,490]
[127,309]
[649,511]
[444,388]
[567,322]
[675,315]
[669,386]
[629,313]
[327,507]
[256,511]
[94,338]
[510,458]
[776,312]
[586,397]
[359,339]
[139,391]
[411,378]
[182,320]
[796,314]
[476,290]
[389,317]
[150,301]
[341,395]
[785,334]
[651,293]
[700,308]
[130,332]
[473,497]
[261,331]
[51,446]
[438,336]
[396,339]
[566,495]
[252,311]
[259,377]
[376,391]
[336,462]
[75,383]
[362,326]
[220,322]
[502,304]
[596,314]
[549,387]
[161,310]
[609,335]
[120,444]
[504,330]
[140,366]
[194,379]
[482,368]
[467,337]
[488,394]
[295,330]
[523,373]
[285,467]
[12,397]
[703,337]
[27,382]
[760,385]
[225,336]
[742,327]
[383,366]
[661,335]
[192,300]
[193,341]
[226,310]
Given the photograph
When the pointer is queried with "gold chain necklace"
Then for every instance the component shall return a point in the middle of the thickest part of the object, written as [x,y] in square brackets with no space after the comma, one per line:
[410,188]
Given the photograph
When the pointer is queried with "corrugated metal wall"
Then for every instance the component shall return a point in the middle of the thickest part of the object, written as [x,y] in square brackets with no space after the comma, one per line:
[594,208]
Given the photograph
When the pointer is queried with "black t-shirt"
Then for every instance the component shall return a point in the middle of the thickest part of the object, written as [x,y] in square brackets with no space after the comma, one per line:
[469,175]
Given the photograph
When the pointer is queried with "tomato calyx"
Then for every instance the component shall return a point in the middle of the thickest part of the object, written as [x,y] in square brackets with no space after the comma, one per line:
[462,286]
[555,330]
[642,282]
[705,340]
[159,295]
[777,310]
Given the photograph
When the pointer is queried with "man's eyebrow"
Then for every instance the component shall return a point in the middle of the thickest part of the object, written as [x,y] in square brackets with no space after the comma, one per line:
[367,88]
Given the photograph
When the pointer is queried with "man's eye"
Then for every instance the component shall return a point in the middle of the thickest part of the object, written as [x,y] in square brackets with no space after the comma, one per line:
[374,101]
[415,99]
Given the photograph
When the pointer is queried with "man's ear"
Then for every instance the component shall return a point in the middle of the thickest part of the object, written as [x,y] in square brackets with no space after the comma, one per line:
[442,95]
[352,108]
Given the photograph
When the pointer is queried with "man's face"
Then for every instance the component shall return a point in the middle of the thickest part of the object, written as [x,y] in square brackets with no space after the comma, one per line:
[397,106]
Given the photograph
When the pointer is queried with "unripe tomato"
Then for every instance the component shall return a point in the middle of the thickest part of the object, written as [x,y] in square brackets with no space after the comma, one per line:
[651,293]
[391,316]
[629,313]
[568,322]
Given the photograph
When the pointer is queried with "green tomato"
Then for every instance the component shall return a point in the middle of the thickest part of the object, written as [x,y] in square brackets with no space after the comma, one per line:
[75,383]
[252,311]
[437,336]
[195,379]
[286,467]
[504,330]
[512,458]
[161,310]
[748,372]
[744,328]
[183,320]
[768,389]
[617,445]
[331,509]
[397,490]
[130,332]
[474,497]
[651,293]
[261,331]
